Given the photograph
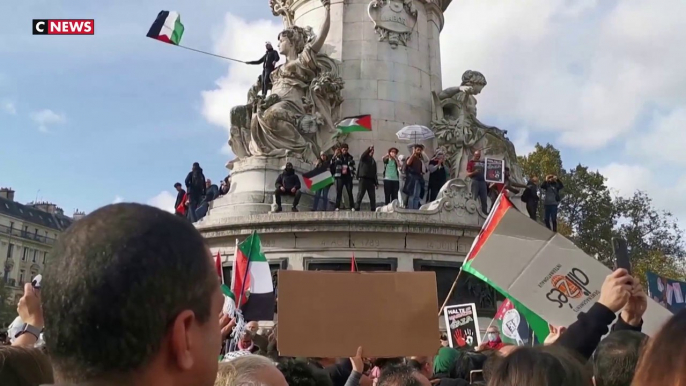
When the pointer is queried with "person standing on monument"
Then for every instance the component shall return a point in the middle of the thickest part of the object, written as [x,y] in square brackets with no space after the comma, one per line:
[391,175]
[343,165]
[438,175]
[551,200]
[414,185]
[475,171]
[531,198]
[323,193]
[287,184]
[196,188]
[268,62]
[368,177]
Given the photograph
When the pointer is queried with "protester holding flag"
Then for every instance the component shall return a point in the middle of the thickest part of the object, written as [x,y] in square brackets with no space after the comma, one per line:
[322,194]
[369,180]
[287,184]
[268,62]
[343,165]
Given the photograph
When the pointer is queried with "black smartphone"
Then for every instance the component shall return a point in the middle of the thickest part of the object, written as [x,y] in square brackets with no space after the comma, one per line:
[619,247]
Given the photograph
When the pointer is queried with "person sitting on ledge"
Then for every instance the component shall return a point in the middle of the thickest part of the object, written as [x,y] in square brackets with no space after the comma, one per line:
[287,184]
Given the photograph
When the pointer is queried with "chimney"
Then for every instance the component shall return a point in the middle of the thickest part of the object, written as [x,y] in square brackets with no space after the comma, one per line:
[78,215]
[7,193]
[45,207]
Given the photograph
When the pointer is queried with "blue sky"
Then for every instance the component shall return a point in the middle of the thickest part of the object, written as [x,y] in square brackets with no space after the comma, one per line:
[87,120]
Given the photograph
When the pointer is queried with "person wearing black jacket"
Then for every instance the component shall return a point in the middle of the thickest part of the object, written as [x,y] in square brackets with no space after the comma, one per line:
[179,198]
[531,198]
[287,184]
[437,177]
[369,181]
[268,62]
[620,291]
[551,188]
[343,170]
[195,185]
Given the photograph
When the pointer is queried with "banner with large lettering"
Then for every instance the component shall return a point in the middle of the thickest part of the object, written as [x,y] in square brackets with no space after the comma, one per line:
[667,292]
[542,270]
[462,324]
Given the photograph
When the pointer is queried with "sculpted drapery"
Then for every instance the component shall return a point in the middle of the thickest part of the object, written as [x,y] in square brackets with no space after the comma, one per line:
[299,117]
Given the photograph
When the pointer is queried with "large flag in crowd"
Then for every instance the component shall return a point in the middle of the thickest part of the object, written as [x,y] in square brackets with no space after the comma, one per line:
[546,276]
[500,207]
[318,179]
[252,280]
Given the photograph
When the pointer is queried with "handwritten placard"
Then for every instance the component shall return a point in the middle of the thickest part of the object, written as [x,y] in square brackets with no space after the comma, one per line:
[495,170]
[462,324]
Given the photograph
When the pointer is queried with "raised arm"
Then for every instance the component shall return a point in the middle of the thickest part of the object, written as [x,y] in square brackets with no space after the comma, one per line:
[324,31]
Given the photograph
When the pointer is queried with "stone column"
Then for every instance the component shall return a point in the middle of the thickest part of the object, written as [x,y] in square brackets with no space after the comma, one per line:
[392,83]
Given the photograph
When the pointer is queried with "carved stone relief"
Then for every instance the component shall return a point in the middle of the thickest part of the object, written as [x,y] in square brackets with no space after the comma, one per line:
[394,20]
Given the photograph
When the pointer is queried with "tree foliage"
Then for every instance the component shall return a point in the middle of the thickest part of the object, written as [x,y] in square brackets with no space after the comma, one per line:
[8,310]
[590,217]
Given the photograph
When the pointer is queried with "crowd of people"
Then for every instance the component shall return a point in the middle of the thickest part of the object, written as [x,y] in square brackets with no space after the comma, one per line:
[410,180]
[194,201]
[132,297]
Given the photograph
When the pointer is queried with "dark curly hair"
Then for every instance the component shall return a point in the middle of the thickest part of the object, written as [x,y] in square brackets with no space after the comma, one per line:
[297,373]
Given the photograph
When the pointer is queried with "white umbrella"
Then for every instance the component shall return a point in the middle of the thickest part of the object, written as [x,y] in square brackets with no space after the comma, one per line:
[415,133]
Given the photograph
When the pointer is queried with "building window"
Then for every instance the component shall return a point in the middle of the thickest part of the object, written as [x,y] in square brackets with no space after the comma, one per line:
[21,277]
[24,255]
[469,289]
[11,226]
[45,257]
[10,250]
[343,264]
[35,252]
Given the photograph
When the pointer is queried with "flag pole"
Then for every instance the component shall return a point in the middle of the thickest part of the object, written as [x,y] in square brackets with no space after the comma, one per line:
[450,293]
[245,277]
[209,53]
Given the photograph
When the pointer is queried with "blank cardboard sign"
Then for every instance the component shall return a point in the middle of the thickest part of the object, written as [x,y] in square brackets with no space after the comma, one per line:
[330,314]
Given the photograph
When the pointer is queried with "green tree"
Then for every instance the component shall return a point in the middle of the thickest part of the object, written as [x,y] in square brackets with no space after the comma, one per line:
[588,211]
[654,238]
[8,310]
[542,161]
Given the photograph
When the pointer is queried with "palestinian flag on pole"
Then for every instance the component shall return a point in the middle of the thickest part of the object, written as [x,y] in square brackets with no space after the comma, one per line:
[513,326]
[252,281]
[358,123]
[318,178]
[167,28]
[500,207]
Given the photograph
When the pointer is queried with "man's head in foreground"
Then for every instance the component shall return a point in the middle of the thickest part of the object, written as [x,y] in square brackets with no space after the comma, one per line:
[132,297]
[615,359]
[402,375]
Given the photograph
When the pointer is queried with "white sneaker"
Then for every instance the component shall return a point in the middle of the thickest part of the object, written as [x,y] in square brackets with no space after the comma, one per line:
[337,210]
[353,209]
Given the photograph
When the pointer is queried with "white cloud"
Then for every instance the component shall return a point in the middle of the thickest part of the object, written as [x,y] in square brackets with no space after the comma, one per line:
[665,140]
[623,180]
[584,70]
[8,107]
[46,117]
[118,200]
[244,41]
[165,201]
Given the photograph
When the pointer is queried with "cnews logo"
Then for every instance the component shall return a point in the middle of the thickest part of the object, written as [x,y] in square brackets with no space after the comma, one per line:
[63,26]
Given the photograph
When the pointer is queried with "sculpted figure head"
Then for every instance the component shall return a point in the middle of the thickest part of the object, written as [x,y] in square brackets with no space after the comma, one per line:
[475,80]
[292,41]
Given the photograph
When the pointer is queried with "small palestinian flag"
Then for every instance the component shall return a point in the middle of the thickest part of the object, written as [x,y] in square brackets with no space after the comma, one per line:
[358,123]
[318,179]
[513,326]
[167,28]
[252,281]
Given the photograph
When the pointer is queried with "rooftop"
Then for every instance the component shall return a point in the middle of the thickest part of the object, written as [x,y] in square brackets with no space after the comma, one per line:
[34,214]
